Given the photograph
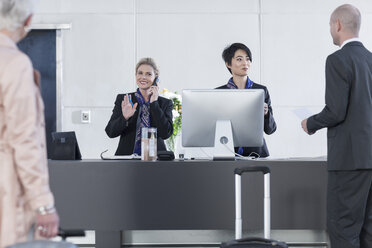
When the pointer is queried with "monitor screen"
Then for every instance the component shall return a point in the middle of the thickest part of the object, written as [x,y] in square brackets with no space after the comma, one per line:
[201,109]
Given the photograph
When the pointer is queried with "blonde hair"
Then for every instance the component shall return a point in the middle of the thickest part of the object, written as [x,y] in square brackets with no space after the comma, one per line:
[13,13]
[150,62]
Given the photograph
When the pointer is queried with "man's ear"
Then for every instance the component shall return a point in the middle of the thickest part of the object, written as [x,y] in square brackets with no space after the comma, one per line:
[28,21]
[338,25]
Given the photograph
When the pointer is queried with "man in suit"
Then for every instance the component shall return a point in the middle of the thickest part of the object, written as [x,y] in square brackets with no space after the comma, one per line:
[348,117]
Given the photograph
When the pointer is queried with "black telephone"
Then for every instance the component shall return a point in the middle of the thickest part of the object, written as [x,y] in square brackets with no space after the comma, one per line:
[156,81]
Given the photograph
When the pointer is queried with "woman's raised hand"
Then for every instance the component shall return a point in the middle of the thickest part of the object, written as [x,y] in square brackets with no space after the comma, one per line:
[266,108]
[127,108]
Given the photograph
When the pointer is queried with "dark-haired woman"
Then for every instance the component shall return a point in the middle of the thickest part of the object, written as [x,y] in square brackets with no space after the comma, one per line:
[238,59]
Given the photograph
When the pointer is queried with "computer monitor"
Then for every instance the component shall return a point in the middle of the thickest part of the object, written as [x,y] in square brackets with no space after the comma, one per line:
[222,118]
[65,146]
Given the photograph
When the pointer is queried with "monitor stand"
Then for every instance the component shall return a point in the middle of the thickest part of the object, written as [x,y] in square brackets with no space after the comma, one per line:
[223,141]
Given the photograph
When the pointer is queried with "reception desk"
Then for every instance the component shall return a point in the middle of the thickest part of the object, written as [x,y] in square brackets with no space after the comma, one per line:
[110,196]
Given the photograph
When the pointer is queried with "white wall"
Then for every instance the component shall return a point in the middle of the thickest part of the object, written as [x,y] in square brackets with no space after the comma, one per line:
[289,40]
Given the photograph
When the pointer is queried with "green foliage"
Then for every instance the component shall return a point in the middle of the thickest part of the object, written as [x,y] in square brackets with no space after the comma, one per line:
[177,121]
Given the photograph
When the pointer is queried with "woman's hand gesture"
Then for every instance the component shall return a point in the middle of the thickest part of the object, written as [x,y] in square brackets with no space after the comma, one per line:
[127,108]
[266,108]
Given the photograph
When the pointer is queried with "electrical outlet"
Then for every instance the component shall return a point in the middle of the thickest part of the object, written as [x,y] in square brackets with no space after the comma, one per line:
[85,116]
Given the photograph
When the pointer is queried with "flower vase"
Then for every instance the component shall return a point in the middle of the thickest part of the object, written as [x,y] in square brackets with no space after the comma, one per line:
[173,144]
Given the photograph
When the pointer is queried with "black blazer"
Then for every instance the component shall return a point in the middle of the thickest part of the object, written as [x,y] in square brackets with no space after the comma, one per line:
[161,118]
[269,124]
[348,110]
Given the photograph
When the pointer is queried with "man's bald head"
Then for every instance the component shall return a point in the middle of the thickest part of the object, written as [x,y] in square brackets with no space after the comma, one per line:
[349,17]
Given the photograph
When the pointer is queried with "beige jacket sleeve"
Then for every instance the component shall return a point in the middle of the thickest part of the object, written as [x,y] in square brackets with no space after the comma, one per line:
[24,112]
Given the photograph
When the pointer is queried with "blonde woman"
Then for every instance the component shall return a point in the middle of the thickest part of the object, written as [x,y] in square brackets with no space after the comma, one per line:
[142,108]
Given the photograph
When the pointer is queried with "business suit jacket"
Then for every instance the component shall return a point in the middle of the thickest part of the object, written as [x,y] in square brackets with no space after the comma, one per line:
[161,118]
[24,181]
[348,110]
[269,124]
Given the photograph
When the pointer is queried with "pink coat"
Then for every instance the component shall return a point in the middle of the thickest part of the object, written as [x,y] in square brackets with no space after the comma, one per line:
[24,181]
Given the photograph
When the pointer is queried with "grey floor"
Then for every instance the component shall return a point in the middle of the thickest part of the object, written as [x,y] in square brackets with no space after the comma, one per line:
[206,238]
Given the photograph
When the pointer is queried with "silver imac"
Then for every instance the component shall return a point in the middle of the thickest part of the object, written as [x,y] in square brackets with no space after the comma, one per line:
[222,118]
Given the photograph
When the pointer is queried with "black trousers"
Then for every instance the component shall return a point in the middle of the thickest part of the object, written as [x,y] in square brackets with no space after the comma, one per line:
[349,208]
